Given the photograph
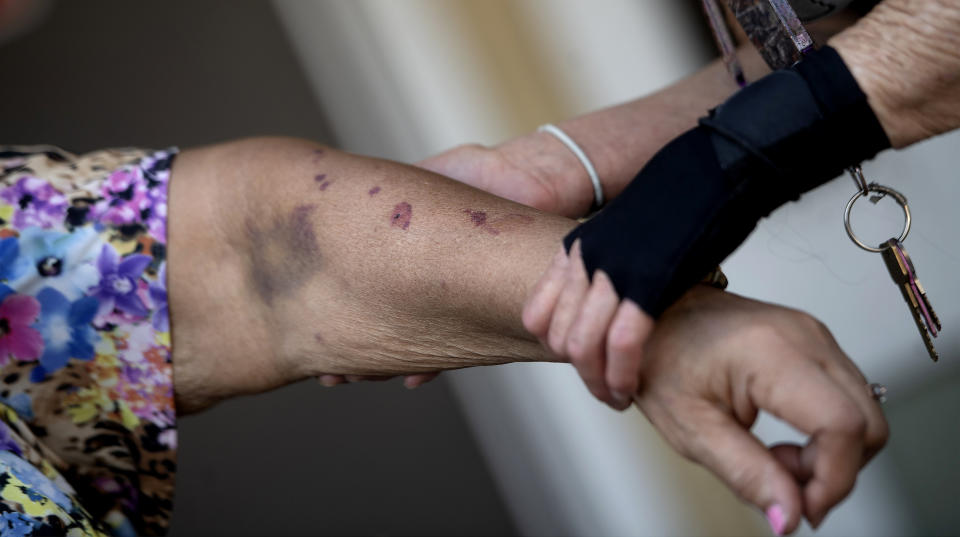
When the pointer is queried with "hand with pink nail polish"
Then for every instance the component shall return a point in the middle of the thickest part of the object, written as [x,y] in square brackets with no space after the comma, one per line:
[715,360]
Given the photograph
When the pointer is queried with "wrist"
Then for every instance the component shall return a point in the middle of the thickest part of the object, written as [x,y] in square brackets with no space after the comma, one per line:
[861,60]
[906,61]
[555,168]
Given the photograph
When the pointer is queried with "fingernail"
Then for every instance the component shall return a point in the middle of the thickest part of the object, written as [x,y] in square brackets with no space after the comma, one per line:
[776,518]
[621,398]
[328,381]
[411,384]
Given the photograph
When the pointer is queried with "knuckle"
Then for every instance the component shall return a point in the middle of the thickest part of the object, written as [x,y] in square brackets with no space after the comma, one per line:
[849,419]
[811,325]
[770,331]
[760,330]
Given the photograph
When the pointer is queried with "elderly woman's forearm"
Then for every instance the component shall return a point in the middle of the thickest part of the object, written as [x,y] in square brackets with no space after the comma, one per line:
[289,260]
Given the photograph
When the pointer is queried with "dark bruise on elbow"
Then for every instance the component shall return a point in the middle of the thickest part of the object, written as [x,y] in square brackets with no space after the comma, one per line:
[284,252]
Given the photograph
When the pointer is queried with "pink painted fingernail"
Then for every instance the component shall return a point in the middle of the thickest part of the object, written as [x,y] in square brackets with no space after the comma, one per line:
[776,518]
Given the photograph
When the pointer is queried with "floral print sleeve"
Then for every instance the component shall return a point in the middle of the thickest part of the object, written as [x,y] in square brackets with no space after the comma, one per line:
[87,421]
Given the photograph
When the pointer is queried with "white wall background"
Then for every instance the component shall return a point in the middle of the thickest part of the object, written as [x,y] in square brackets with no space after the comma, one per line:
[405,79]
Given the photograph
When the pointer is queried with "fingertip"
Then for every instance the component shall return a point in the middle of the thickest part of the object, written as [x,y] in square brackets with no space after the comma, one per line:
[623,403]
[781,520]
[606,398]
[621,391]
[786,497]
[833,466]
[816,520]
[329,381]
[628,333]
[776,518]
[533,318]
[745,465]
[557,342]
[820,501]
[538,310]
[814,524]
[575,249]
[416,380]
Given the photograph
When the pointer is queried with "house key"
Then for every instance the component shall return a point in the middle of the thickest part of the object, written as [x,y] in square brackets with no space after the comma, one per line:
[895,257]
[905,276]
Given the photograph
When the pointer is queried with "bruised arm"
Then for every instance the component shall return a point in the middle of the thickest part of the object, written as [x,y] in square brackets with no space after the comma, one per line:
[289,260]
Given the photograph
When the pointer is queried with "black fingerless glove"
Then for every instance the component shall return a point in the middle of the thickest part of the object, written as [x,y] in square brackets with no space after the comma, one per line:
[702,194]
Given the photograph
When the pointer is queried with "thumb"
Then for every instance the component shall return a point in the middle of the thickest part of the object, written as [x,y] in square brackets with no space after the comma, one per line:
[734,455]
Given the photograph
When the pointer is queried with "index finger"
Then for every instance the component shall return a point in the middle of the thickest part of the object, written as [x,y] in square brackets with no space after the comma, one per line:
[802,394]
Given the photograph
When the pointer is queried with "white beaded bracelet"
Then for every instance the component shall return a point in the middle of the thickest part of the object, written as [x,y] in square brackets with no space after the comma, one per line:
[581,156]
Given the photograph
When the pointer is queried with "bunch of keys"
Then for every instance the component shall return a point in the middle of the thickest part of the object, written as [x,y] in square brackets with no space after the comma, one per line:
[898,262]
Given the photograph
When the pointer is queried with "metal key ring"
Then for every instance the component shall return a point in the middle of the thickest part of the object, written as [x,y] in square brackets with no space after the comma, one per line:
[874,187]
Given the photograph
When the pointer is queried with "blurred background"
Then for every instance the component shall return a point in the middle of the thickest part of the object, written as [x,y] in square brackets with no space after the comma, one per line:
[513,450]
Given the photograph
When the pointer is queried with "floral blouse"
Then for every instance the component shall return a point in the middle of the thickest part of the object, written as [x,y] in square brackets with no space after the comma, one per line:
[87,422]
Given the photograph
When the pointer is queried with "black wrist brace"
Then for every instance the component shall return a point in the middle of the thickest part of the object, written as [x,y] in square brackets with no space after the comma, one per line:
[702,194]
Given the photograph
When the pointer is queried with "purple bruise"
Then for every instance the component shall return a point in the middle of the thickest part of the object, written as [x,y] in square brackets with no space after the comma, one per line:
[301,224]
[479,218]
[400,217]
[318,337]
[322,180]
[284,252]
[374,191]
